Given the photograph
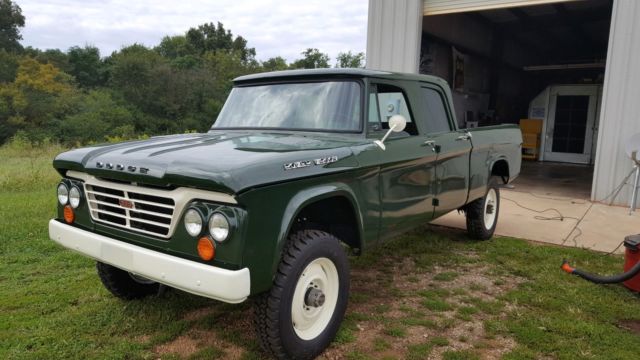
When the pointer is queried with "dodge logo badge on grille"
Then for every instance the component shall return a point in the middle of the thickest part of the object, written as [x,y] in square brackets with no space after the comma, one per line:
[125,203]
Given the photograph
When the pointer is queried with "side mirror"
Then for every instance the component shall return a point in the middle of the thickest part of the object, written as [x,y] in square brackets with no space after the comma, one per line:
[397,123]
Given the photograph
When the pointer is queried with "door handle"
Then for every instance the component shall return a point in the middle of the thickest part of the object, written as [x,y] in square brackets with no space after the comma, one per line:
[432,144]
[466,136]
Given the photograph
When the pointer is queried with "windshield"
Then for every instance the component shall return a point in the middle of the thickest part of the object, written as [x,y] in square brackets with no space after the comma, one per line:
[330,106]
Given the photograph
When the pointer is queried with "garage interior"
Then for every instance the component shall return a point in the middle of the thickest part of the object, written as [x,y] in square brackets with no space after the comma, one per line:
[540,62]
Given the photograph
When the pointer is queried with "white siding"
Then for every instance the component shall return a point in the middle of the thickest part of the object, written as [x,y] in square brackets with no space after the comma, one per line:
[393,35]
[438,7]
[620,114]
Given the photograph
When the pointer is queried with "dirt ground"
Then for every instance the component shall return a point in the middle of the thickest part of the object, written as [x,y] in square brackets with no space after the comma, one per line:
[396,310]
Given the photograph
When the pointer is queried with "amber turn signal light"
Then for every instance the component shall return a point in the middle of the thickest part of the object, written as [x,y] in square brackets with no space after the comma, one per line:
[69,216]
[206,250]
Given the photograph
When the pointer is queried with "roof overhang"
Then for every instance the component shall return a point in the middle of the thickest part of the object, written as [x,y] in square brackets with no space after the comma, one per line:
[440,7]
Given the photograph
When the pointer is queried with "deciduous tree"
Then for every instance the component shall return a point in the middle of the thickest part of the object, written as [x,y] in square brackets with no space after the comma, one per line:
[275,64]
[11,20]
[312,59]
[85,65]
[350,60]
[212,38]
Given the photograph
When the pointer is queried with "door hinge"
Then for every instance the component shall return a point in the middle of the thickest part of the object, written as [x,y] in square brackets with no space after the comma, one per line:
[435,202]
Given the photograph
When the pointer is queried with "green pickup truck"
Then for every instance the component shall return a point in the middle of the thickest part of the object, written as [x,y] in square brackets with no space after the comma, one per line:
[299,168]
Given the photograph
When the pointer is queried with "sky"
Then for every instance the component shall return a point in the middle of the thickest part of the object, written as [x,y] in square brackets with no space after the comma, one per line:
[274,28]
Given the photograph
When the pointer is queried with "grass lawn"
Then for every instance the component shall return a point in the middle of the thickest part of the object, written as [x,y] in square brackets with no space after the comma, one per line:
[429,294]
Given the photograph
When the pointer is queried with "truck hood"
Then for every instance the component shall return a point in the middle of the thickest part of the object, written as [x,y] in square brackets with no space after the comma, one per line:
[229,162]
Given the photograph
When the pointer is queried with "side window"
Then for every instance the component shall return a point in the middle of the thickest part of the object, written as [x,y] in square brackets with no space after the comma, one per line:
[391,101]
[374,114]
[436,118]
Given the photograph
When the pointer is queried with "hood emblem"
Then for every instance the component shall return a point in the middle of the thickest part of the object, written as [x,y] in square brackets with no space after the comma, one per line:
[307,163]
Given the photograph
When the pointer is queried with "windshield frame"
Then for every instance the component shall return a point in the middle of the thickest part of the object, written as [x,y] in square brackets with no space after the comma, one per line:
[359,130]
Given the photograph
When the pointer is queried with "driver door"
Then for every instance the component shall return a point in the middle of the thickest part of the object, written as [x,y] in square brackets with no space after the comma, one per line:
[407,170]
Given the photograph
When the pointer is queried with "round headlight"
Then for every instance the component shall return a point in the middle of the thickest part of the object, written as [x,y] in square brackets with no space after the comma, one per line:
[74,197]
[219,227]
[193,222]
[63,194]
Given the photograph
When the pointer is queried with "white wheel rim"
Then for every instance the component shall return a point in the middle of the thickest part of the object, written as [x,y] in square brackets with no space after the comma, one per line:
[309,321]
[490,208]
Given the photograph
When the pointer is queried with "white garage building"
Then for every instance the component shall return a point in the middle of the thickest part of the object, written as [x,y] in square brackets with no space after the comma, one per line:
[573,64]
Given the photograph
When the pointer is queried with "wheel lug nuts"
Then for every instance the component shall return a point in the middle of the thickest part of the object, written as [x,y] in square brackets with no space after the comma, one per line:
[314,298]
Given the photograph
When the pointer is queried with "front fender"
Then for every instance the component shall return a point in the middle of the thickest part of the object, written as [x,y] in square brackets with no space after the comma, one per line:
[309,196]
[272,210]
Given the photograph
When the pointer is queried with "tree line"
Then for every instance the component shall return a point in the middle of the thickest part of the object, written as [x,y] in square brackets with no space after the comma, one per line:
[78,96]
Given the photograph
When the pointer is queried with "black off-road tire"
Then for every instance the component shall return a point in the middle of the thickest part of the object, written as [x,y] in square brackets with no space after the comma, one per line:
[475,212]
[122,285]
[273,309]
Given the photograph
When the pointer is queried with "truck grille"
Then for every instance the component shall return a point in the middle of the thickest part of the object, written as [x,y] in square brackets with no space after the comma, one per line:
[137,211]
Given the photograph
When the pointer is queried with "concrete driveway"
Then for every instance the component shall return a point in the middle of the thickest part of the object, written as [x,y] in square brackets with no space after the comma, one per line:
[550,204]
[558,220]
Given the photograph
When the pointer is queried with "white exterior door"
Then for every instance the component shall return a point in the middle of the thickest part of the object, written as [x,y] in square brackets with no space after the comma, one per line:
[570,123]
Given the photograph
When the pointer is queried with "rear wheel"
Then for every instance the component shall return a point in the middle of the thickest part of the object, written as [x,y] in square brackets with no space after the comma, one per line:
[482,214]
[301,314]
[126,285]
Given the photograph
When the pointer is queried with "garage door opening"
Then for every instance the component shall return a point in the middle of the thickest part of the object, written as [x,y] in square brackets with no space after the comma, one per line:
[543,63]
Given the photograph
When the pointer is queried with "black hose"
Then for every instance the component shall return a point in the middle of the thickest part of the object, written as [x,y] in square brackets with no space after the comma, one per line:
[598,279]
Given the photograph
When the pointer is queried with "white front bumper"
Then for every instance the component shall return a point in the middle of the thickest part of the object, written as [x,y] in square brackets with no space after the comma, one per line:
[200,279]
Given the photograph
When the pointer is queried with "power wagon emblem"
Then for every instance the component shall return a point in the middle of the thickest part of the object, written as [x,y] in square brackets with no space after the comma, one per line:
[307,163]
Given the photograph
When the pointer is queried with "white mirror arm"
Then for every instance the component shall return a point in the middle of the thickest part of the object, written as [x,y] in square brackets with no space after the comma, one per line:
[380,142]
[388,133]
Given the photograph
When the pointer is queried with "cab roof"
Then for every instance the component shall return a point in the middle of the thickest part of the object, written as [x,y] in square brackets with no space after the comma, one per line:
[335,73]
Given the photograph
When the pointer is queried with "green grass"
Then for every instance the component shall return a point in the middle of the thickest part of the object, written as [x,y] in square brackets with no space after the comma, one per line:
[25,167]
[439,341]
[446,276]
[465,313]
[52,305]
[381,344]
[460,355]
[437,305]
[415,321]
[419,351]
[396,331]
[435,299]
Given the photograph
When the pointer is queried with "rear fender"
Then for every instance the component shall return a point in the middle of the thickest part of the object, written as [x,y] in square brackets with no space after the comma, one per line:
[493,161]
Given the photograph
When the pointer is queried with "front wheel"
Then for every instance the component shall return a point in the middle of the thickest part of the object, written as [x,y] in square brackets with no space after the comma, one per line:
[301,314]
[482,214]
